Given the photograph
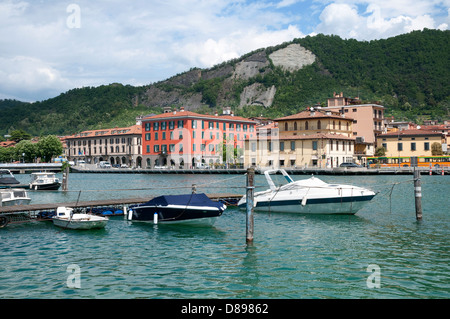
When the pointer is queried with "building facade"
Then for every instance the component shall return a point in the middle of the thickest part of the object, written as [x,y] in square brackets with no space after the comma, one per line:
[184,139]
[117,146]
[313,138]
[368,122]
[409,143]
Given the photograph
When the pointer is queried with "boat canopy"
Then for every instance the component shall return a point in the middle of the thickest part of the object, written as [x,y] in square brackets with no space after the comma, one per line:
[185,199]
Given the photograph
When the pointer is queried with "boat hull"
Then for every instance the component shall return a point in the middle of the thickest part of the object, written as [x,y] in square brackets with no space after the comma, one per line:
[92,223]
[173,215]
[326,206]
[49,186]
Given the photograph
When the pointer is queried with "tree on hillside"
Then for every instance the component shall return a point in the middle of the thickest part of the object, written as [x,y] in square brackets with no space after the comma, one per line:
[20,135]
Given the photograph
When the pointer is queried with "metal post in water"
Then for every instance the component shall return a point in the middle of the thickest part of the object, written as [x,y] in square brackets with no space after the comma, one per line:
[249,202]
[418,194]
[65,181]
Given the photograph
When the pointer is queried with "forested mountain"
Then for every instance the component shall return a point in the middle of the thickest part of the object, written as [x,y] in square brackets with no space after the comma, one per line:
[408,74]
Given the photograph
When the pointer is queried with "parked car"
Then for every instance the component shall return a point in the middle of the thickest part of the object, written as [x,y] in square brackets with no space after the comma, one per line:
[349,165]
[104,164]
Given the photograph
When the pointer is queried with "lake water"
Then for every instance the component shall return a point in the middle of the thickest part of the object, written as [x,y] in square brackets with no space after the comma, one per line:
[381,252]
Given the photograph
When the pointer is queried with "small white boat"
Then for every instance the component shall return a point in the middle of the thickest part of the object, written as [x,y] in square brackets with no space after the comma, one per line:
[309,196]
[66,218]
[44,181]
[14,196]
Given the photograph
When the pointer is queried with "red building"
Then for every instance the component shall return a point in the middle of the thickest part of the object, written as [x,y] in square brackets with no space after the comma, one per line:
[187,140]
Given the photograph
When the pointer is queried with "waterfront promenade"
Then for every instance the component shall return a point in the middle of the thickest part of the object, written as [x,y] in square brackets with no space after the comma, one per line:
[24,168]
[293,171]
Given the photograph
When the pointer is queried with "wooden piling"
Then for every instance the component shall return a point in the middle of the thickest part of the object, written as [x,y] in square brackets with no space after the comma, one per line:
[249,202]
[418,194]
[65,181]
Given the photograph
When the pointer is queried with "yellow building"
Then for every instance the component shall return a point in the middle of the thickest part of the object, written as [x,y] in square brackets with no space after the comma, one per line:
[409,143]
[307,139]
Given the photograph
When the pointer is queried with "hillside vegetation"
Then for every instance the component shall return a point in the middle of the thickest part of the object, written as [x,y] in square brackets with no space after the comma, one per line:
[408,74]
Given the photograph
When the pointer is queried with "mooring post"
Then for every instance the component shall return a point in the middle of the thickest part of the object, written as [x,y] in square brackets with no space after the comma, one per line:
[418,194]
[249,202]
[65,181]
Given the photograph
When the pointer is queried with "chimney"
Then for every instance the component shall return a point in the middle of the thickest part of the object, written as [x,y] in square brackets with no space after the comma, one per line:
[181,108]
[167,109]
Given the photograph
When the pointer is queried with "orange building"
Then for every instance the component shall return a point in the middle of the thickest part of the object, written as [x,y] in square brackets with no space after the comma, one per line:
[188,140]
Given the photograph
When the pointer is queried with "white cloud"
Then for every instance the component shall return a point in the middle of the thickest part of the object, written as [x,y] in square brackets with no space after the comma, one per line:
[381,19]
[140,41]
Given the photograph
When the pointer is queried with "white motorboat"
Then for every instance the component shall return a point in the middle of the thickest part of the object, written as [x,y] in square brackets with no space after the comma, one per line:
[309,196]
[14,196]
[44,181]
[66,218]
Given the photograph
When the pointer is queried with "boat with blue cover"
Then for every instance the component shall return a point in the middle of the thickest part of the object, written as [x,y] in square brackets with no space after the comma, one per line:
[186,208]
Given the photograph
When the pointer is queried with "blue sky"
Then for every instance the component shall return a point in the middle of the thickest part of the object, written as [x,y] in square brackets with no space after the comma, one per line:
[49,47]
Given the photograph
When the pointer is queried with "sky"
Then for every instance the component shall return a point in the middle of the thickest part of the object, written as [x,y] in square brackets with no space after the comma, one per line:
[48,47]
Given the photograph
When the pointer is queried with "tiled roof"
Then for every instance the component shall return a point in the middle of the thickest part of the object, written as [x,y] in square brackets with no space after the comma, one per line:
[182,114]
[409,133]
[312,115]
[118,131]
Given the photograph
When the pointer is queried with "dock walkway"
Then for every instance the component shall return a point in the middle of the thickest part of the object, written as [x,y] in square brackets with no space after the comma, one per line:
[24,213]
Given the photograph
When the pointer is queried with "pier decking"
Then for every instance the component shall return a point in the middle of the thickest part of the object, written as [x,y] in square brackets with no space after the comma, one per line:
[24,213]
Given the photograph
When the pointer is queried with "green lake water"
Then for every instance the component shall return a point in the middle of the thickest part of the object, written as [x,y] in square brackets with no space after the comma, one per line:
[292,256]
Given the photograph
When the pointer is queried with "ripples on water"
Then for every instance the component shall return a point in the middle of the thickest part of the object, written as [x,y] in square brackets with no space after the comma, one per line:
[291,257]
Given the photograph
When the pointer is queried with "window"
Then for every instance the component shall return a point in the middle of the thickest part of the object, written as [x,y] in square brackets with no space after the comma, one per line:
[426,146]
[413,146]
[399,146]
[319,125]
[306,125]
[281,146]
[172,147]
[285,126]
[171,125]
[253,145]
[155,126]
[384,146]
[156,148]
[163,135]
[147,126]
[156,136]
[148,136]
[163,125]
[194,123]
[180,123]
[295,126]
[314,145]
[292,145]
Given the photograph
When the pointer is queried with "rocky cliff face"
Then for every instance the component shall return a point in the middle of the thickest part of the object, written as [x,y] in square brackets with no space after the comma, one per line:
[176,90]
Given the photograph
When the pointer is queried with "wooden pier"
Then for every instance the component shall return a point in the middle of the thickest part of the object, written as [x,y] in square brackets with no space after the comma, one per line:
[24,213]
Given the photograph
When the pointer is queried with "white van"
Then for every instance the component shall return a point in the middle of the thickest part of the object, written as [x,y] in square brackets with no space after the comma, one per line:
[104,164]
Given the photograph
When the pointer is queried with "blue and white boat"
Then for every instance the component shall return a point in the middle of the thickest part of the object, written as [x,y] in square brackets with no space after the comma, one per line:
[309,196]
[186,208]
